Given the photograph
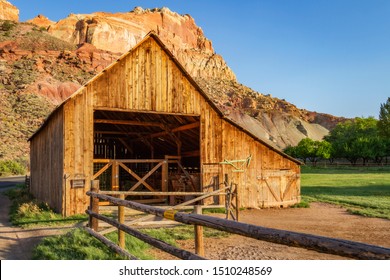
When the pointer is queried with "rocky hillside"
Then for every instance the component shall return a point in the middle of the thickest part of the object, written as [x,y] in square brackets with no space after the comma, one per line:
[43,62]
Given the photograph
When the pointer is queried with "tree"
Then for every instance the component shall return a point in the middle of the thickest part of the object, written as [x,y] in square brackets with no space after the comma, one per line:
[355,139]
[384,119]
[310,149]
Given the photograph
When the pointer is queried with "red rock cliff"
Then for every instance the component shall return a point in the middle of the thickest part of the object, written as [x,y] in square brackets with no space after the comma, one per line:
[119,32]
[8,11]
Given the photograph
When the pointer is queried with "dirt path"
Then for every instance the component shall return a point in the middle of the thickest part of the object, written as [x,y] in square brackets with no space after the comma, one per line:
[17,243]
[320,219]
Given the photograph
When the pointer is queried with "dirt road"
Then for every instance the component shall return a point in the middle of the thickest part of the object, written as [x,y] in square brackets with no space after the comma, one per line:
[17,243]
[320,219]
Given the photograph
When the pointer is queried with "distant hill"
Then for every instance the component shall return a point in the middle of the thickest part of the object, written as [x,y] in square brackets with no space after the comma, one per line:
[42,62]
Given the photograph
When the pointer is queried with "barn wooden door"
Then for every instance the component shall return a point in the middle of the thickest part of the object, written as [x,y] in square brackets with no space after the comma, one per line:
[280,188]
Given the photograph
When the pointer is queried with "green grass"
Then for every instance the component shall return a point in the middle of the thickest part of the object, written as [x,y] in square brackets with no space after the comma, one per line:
[362,190]
[27,212]
[79,245]
[74,245]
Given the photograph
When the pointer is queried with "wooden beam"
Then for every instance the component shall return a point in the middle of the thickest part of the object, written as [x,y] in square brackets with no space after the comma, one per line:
[191,154]
[110,109]
[126,122]
[97,174]
[115,132]
[166,132]
[177,129]
[186,127]
[140,180]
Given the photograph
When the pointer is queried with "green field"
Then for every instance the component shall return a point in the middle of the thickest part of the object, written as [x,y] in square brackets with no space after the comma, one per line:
[361,190]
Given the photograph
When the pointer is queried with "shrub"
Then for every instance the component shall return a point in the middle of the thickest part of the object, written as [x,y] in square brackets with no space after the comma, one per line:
[7,25]
[11,167]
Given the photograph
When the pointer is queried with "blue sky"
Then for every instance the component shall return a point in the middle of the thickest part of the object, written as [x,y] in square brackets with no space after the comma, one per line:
[329,56]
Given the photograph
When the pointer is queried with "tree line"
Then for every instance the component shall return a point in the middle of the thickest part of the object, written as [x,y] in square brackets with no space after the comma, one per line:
[366,139]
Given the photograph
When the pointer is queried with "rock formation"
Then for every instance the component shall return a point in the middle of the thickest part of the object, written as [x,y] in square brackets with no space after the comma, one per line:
[41,21]
[120,32]
[8,11]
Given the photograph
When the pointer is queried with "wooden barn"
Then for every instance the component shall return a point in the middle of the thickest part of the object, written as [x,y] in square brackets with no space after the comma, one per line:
[143,124]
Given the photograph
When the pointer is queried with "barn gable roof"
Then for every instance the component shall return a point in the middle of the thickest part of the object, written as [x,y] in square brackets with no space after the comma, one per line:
[156,38]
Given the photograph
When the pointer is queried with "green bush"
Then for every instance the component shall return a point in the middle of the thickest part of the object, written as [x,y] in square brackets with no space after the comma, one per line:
[11,167]
[7,25]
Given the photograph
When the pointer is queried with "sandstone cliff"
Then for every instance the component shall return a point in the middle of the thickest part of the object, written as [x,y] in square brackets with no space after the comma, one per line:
[41,21]
[120,32]
[8,11]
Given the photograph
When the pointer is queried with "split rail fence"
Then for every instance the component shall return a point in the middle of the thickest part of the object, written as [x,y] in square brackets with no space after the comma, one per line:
[346,248]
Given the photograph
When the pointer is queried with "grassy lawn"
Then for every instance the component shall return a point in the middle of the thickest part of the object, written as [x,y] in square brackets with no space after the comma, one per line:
[362,190]
[79,245]
[26,212]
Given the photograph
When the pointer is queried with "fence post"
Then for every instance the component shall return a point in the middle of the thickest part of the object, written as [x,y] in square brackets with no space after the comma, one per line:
[164,175]
[115,176]
[237,203]
[164,178]
[121,219]
[199,244]
[94,205]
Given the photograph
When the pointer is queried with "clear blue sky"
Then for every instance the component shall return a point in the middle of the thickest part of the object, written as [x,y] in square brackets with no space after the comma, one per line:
[330,56]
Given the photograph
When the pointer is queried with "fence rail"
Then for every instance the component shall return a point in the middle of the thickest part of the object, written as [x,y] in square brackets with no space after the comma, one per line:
[346,248]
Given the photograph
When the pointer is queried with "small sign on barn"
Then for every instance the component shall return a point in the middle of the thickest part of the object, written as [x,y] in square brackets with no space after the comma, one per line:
[78,181]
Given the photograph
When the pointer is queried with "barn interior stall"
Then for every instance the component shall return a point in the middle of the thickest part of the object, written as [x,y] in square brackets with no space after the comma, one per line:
[147,152]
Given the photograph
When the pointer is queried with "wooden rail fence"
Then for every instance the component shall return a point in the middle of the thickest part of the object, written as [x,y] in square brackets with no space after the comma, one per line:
[346,248]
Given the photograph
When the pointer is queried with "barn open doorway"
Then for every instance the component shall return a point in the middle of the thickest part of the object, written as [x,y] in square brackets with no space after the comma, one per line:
[133,151]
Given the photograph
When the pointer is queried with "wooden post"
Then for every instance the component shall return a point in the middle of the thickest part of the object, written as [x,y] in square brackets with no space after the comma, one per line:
[237,203]
[115,176]
[199,244]
[121,220]
[164,175]
[94,205]
[164,178]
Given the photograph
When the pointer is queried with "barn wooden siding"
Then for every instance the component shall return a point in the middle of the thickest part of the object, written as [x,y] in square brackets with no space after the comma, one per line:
[149,79]
[271,179]
[46,161]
